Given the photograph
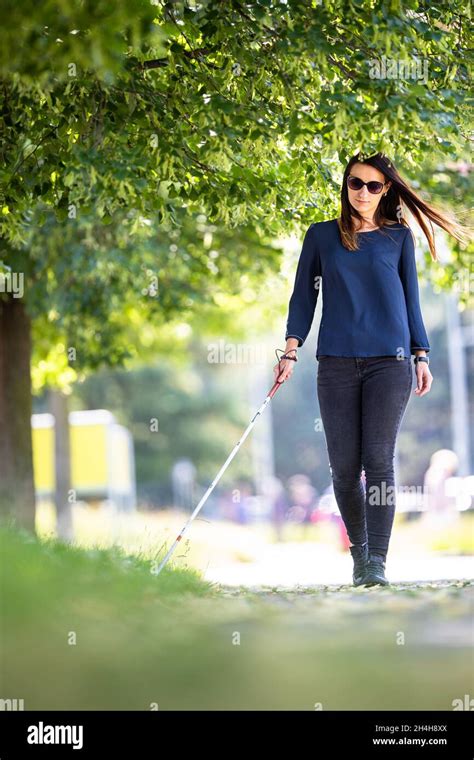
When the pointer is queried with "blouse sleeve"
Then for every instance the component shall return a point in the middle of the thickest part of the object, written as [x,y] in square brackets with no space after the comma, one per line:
[409,278]
[306,289]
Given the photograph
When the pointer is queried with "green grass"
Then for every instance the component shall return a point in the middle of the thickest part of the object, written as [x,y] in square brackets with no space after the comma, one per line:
[181,643]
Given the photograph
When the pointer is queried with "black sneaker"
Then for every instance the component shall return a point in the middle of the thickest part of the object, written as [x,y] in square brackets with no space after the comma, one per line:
[375,574]
[360,553]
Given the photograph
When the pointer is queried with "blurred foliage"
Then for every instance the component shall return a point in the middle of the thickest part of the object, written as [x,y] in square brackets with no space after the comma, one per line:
[108,296]
[200,415]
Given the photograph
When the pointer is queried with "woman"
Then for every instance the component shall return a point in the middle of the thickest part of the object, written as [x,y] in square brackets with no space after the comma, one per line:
[371,324]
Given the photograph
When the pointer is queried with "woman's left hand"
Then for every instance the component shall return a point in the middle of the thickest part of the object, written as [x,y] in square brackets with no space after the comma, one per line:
[424,378]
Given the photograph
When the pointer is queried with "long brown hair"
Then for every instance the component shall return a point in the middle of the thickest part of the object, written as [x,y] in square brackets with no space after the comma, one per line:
[390,208]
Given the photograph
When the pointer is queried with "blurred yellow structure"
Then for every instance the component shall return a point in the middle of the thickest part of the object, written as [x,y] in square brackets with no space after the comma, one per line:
[102,458]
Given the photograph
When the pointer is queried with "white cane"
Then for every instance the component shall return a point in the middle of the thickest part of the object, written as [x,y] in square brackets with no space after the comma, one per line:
[229,459]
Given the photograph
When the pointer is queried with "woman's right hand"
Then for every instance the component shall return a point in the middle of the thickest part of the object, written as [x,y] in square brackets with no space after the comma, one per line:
[283,370]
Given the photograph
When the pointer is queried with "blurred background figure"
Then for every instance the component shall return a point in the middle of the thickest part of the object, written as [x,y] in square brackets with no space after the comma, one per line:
[277,500]
[236,504]
[183,475]
[440,502]
[303,498]
[328,511]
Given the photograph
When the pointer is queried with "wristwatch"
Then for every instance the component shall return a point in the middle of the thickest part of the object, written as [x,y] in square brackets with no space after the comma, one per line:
[421,359]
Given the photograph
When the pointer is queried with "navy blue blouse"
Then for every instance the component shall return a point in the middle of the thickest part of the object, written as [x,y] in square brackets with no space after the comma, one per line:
[371,304]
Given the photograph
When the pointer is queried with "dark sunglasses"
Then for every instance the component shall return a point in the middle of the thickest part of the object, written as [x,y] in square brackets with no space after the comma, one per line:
[374,187]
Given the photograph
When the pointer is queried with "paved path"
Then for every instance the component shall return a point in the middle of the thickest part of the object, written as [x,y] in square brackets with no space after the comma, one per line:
[307,563]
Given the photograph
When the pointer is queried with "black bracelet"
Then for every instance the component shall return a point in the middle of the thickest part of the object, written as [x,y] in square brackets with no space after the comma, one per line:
[285,356]
[421,359]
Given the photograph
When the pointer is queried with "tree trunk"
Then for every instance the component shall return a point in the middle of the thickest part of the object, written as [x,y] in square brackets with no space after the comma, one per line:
[17,494]
[62,465]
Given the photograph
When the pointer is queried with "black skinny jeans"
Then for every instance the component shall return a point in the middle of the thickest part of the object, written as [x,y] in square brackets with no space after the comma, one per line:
[362,402]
